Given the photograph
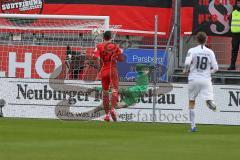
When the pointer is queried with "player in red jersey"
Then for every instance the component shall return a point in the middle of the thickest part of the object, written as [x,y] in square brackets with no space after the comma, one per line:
[109,54]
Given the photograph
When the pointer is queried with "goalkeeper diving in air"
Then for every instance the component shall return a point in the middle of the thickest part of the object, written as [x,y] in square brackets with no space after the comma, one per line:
[132,94]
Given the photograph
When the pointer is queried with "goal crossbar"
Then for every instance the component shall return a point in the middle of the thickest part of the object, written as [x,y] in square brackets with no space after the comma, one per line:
[59,17]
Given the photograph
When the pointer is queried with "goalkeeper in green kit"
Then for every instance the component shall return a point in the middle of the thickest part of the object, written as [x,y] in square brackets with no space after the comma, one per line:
[132,94]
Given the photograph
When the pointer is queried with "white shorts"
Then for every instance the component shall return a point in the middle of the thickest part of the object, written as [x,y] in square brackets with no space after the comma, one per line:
[203,88]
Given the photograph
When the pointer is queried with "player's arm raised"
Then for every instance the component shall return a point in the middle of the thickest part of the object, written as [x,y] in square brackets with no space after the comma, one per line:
[120,55]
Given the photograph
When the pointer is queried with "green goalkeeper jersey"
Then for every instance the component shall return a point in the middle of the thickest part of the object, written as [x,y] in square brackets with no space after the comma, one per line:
[142,79]
[132,94]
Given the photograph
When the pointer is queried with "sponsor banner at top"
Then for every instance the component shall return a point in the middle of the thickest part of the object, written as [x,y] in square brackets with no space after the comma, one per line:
[212,16]
[134,17]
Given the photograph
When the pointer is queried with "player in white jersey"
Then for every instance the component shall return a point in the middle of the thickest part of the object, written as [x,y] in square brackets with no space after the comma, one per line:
[200,63]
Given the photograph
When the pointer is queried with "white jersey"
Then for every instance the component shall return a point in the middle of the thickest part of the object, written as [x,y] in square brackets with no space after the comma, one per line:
[202,62]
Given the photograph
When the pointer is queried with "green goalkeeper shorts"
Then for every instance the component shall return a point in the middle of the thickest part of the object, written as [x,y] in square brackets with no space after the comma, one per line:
[132,94]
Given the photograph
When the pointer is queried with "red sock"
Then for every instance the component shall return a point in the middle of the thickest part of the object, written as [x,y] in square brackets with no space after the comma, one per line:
[106,102]
[114,99]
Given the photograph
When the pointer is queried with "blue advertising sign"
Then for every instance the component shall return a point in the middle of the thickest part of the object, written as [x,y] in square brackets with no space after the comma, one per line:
[143,56]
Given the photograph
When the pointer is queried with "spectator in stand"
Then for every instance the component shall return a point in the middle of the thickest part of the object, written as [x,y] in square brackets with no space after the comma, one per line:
[235,30]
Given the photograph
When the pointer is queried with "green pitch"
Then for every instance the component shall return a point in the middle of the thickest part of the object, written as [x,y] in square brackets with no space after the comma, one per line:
[31,139]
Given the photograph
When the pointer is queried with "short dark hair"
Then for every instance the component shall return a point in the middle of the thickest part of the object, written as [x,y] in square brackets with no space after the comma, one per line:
[201,37]
[107,35]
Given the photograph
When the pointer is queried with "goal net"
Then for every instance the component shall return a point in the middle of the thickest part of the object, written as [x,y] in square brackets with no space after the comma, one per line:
[40,52]
[33,46]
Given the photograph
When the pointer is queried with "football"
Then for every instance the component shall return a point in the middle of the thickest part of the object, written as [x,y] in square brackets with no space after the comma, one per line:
[96,31]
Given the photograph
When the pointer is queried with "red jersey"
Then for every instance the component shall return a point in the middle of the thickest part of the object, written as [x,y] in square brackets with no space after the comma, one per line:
[109,54]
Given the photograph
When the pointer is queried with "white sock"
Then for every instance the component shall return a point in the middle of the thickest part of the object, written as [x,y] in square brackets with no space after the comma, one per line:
[192,118]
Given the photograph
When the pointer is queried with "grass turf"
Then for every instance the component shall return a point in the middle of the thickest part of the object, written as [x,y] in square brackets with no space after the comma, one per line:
[33,139]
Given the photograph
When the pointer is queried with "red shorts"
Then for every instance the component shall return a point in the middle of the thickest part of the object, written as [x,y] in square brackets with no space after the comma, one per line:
[109,79]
